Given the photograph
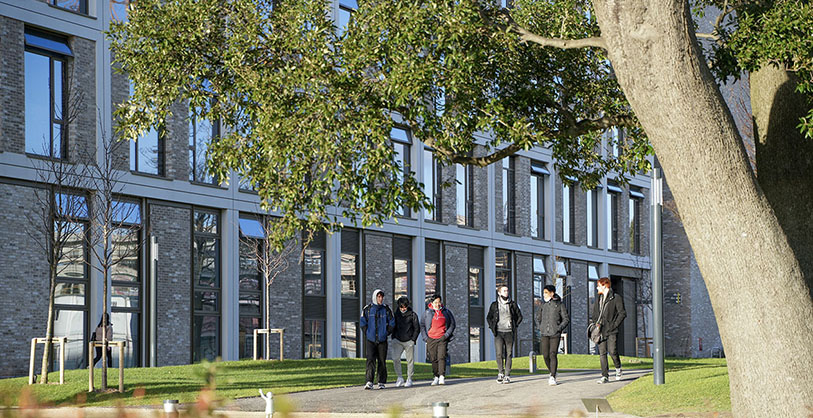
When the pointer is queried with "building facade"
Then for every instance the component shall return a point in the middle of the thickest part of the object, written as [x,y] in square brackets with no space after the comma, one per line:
[192,291]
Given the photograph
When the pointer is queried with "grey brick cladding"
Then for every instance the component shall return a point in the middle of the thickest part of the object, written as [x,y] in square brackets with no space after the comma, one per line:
[579,221]
[177,143]
[12,85]
[448,195]
[704,323]
[677,261]
[578,307]
[524,292]
[23,278]
[499,200]
[119,91]
[172,228]
[286,307]
[480,192]
[82,95]
[456,275]
[557,203]
[522,174]
[378,268]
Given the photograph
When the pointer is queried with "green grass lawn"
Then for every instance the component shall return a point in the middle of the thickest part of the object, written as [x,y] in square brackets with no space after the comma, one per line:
[691,383]
[237,379]
[691,386]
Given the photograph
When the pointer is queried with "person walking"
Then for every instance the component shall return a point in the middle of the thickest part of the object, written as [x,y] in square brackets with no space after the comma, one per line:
[609,313]
[407,330]
[377,324]
[101,334]
[504,316]
[437,329]
[552,319]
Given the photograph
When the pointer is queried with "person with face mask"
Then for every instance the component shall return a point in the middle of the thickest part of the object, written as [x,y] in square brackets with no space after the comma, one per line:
[551,319]
[504,316]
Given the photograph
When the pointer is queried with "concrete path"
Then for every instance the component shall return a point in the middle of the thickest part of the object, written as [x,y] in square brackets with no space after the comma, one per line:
[525,396]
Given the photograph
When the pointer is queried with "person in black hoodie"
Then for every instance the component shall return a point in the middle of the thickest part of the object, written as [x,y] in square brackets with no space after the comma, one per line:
[552,319]
[503,318]
[407,330]
[609,313]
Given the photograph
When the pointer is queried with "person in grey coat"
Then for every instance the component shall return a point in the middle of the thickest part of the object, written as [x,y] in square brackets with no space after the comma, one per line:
[552,319]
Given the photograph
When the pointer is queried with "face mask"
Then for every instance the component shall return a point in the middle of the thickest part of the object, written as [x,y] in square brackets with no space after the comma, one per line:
[504,297]
[548,298]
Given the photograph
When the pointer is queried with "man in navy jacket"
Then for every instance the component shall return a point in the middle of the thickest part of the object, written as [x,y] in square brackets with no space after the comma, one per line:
[377,324]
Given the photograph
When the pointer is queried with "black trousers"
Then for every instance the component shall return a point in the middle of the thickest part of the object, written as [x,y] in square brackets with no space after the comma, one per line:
[437,354]
[550,348]
[98,356]
[377,353]
[504,346]
[605,346]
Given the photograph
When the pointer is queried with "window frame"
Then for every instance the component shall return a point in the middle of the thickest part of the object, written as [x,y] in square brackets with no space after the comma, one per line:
[218,290]
[63,59]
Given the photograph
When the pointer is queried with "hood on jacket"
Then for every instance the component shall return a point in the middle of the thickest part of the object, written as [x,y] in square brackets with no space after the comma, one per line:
[375,296]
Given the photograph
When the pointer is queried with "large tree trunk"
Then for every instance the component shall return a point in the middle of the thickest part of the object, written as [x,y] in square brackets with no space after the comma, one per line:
[755,281]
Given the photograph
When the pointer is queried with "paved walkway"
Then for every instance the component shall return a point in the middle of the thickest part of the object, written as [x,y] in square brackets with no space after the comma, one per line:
[525,396]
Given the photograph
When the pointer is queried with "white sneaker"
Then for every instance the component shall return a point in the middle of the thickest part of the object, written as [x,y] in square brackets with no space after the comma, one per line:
[441,380]
[435,381]
[506,380]
[617,374]
[399,382]
[552,381]
[408,383]
[500,377]
[603,380]
[381,386]
[368,385]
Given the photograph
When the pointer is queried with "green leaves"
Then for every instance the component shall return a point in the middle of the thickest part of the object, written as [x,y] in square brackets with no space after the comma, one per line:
[308,109]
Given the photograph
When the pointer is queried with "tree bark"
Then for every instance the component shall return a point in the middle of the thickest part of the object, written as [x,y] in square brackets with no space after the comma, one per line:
[784,157]
[49,328]
[755,281]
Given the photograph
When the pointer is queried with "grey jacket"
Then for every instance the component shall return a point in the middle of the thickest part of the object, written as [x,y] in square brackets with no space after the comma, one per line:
[551,317]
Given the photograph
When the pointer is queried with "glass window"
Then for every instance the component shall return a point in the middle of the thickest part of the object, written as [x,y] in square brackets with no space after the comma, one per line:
[314,338]
[349,275]
[78,6]
[206,337]
[201,134]
[71,323]
[612,219]
[475,344]
[503,269]
[206,286]
[45,98]
[251,289]
[346,9]
[350,339]
[592,218]
[118,10]
[245,337]
[635,225]
[538,178]
[126,326]
[431,181]
[400,143]
[401,285]
[314,273]
[430,280]
[463,189]
[251,228]
[568,228]
[147,151]
[539,280]
[508,195]
[475,286]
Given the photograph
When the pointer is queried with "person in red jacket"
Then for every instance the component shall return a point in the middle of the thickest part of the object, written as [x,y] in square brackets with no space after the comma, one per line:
[437,329]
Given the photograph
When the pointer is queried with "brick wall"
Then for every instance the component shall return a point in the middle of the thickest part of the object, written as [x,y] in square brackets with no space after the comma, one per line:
[24,280]
[456,275]
[172,228]
[524,297]
[286,307]
[12,85]
[82,99]
[578,307]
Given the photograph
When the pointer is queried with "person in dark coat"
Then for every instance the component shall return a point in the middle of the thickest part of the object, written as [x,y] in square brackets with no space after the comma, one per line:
[551,319]
[377,324]
[504,316]
[99,334]
[407,330]
[437,329]
[609,313]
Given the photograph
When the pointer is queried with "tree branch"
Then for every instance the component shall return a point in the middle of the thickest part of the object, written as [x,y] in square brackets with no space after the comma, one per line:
[527,36]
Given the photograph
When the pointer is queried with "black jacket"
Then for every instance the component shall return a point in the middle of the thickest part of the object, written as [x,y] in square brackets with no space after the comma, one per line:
[493,316]
[613,314]
[551,317]
[407,326]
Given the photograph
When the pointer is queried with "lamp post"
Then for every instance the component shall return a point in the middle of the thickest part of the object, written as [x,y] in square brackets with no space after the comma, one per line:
[656,255]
